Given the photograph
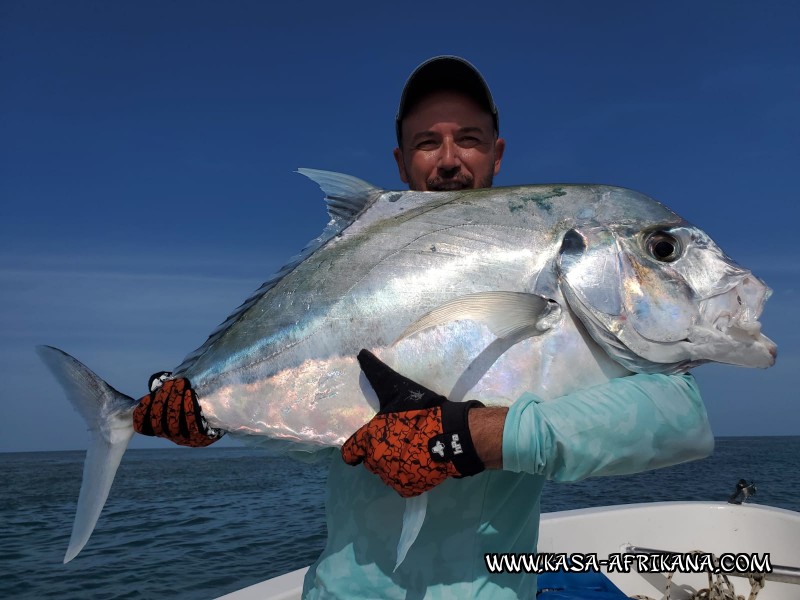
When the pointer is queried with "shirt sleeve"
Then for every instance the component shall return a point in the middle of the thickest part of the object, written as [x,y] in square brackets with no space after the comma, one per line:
[628,425]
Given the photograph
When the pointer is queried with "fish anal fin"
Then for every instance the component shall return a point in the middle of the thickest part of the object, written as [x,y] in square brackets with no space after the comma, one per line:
[413,518]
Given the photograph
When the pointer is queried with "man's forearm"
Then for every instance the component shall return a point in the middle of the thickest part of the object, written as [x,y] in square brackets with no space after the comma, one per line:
[627,425]
[486,428]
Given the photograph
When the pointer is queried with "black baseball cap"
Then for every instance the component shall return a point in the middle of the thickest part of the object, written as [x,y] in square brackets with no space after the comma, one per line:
[445,73]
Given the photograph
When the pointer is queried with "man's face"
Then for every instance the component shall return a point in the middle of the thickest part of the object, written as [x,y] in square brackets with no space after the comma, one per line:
[448,143]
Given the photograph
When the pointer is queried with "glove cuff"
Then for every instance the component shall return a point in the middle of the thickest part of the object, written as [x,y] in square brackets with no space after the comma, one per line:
[454,444]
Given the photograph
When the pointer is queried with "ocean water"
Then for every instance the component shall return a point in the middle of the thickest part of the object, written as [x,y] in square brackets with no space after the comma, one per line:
[196,524]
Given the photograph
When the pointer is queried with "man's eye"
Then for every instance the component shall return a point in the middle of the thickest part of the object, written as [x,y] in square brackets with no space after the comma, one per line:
[469,141]
[427,145]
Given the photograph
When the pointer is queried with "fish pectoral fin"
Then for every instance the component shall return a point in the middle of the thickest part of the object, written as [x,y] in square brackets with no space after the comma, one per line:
[506,314]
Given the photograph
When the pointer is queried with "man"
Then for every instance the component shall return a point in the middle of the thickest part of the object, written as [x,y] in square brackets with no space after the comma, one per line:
[483,485]
[447,128]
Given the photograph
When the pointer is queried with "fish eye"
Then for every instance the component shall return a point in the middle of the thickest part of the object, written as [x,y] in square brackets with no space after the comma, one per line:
[664,247]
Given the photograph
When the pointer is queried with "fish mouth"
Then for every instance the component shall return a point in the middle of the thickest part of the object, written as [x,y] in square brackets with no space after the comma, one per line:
[738,308]
[729,328]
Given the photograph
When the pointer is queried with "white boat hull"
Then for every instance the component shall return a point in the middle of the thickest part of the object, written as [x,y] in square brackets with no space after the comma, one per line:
[716,528]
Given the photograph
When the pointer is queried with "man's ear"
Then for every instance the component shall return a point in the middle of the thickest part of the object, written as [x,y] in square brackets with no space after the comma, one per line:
[499,148]
[401,165]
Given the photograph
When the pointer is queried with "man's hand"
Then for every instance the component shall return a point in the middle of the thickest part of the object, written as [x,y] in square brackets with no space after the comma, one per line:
[418,438]
[171,411]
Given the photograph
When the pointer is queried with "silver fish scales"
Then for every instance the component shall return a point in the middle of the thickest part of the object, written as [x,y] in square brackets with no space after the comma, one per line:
[285,367]
[476,294]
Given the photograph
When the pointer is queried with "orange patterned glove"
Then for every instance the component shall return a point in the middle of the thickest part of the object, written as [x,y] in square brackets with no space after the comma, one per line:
[171,411]
[418,438]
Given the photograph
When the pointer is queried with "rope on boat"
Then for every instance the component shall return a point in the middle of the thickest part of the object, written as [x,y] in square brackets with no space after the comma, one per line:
[719,586]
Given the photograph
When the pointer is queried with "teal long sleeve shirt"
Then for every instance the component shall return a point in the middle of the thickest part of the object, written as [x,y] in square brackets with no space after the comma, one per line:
[627,425]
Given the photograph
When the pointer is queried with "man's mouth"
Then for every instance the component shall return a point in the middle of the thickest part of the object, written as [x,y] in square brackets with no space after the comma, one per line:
[449,186]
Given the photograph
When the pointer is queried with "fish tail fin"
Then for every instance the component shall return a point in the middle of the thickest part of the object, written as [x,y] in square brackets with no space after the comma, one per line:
[108,413]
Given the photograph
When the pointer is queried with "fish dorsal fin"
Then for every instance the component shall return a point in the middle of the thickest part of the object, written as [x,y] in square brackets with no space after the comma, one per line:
[506,314]
[345,195]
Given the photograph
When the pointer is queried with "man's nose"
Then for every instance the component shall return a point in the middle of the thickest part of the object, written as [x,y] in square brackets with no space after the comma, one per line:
[449,159]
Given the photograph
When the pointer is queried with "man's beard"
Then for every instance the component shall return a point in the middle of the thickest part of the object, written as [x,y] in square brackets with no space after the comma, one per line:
[462,181]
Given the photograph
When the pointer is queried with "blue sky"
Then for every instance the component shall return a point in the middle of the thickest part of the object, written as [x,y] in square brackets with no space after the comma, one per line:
[148,150]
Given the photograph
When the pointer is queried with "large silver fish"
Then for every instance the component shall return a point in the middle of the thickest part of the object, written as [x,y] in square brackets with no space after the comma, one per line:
[476,294]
